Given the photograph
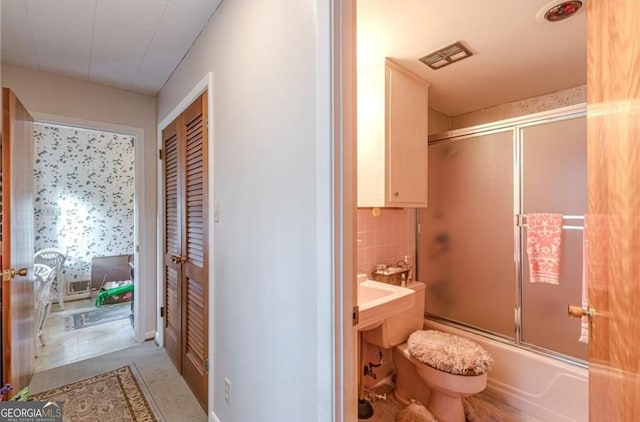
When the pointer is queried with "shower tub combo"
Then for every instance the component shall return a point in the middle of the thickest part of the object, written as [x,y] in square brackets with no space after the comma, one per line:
[483,182]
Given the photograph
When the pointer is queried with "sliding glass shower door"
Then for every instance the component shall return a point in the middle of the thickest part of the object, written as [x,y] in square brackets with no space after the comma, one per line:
[466,234]
[554,180]
[471,240]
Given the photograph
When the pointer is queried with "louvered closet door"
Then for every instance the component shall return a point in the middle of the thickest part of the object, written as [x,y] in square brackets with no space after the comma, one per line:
[185,245]
[195,288]
[172,243]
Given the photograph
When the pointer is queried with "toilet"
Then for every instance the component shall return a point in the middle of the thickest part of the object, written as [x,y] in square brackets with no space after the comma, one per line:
[433,367]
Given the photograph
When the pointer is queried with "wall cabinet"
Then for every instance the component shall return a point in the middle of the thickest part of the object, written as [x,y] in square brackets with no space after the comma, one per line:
[392,137]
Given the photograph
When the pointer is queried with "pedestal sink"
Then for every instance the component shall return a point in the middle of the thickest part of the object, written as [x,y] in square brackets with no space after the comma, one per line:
[378,301]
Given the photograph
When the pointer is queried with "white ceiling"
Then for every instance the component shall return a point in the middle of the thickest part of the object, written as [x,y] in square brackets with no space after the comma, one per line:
[136,44]
[129,44]
[516,56]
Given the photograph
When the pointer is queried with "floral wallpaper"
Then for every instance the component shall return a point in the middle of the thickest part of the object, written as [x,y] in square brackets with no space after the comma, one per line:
[551,101]
[84,182]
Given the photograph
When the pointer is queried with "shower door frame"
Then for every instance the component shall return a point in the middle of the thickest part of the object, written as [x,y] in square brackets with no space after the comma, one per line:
[516,125]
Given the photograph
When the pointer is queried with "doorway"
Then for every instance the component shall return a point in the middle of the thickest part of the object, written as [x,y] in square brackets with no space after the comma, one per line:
[612,164]
[375,18]
[85,207]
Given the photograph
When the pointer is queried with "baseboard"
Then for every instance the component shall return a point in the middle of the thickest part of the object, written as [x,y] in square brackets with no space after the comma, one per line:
[150,335]
[213,417]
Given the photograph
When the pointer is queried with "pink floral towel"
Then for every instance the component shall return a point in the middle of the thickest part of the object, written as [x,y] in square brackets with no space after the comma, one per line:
[544,236]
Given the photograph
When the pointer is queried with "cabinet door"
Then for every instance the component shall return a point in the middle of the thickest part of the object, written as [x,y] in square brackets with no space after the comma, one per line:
[406,125]
[195,268]
[172,242]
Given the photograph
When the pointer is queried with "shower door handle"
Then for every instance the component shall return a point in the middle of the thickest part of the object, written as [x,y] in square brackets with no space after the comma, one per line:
[576,311]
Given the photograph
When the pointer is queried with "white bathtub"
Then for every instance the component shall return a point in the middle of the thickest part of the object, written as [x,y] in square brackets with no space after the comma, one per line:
[543,387]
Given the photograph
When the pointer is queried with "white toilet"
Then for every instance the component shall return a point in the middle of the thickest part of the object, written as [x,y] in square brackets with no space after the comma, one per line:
[441,388]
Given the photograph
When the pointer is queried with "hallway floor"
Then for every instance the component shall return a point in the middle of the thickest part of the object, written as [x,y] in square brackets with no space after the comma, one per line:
[166,388]
[66,346]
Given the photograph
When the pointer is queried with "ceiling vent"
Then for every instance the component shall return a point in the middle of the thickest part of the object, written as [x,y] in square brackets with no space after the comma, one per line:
[445,56]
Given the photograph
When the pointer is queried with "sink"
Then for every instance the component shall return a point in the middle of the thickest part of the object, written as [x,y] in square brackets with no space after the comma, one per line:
[378,301]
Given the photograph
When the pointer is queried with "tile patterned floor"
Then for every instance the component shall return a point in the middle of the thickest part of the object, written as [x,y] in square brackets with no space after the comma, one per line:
[66,346]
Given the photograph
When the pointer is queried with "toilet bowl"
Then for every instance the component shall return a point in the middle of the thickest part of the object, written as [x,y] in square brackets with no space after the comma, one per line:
[445,390]
[444,379]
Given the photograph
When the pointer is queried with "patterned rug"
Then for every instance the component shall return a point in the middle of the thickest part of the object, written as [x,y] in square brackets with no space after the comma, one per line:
[101,315]
[112,396]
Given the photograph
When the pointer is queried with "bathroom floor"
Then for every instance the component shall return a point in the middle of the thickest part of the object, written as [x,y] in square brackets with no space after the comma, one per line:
[386,410]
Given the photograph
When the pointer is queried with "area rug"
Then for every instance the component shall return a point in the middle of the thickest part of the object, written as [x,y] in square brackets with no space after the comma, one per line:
[477,410]
[112,396]
[91,317]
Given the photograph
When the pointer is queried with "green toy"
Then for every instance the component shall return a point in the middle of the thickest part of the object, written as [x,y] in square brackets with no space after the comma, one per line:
[106,294]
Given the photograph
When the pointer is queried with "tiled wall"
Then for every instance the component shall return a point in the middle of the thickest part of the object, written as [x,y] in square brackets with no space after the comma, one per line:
[386,239]
[84,194]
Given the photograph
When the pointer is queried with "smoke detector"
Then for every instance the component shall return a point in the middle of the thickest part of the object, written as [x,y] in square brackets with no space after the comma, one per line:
[558,10]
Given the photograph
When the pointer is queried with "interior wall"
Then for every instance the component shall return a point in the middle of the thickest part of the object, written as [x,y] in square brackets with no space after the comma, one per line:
[84,183]
[438,122]
[565,97]
[74,99]
[272,316]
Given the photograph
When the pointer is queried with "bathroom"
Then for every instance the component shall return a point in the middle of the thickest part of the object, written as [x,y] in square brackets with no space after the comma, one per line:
[532,131]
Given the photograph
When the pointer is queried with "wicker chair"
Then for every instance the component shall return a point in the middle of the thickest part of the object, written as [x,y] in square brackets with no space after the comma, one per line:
[44,276]
[54,258]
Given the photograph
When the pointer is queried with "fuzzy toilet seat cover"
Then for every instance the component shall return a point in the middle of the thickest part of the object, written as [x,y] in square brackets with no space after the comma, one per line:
[449,353]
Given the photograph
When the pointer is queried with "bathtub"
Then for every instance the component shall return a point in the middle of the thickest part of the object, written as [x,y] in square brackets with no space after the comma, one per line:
[541,386]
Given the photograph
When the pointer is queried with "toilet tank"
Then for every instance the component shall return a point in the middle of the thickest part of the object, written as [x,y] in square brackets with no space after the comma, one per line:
[396,330]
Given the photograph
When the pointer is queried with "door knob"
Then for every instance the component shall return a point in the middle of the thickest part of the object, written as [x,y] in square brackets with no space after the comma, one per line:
[576,311]
[7,275]
[178,259]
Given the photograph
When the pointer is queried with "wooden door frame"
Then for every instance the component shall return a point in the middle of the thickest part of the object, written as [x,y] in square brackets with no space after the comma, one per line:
[143,250]
[205,84]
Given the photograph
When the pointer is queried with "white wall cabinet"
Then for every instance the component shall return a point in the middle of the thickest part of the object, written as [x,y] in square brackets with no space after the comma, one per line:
[392,137]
